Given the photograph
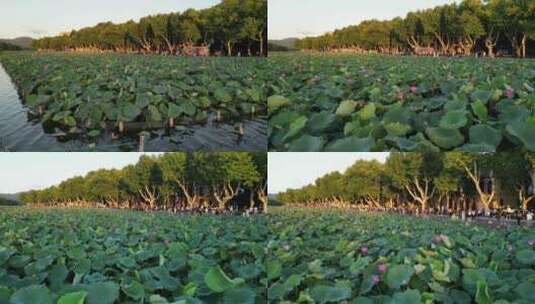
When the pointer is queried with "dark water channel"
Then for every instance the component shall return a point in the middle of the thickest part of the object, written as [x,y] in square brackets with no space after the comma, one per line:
[19,133]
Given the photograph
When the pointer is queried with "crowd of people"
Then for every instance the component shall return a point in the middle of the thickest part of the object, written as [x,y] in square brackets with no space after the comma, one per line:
[502,214]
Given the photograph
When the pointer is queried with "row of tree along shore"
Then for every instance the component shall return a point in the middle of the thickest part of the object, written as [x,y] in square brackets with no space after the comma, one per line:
[174,182]
[232,27]
[490,28]
[436,183]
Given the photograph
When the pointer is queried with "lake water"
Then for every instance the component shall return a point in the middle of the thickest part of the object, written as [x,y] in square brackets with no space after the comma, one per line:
[18,133]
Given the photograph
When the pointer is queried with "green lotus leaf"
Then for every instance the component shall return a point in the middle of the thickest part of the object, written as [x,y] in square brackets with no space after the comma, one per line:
[480,110]
[399,275]
[485,134]
[134,290]
[73,298]
[279,290]
[445,138]
[525,132]
[454,120]
[481,95]
[219,282]
[5,294]
[189,108]
[276,102]
[525,291]
[143,100]
[397,129]
[5,253]
[33,294]
[410,296]
[362,300]
[397,114]
[307,143]
[322,122]
[525,257]
[514,114]
[255,94]
[455,105]
[154,114]
[239,295]
[129,112]
[351,144]
[482,293]
[102,293]
[368,112]
[174,111]
[222,95]
[296,127]
[273,269]
[330,294]
[346,108]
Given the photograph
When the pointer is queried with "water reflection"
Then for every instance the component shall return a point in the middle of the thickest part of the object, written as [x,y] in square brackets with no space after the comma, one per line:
[18,133]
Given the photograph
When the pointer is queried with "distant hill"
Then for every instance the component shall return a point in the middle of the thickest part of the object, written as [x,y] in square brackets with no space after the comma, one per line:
[23,42]
[287,43]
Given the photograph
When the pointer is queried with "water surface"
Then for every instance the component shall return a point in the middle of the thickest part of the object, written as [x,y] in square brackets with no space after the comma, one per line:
[19,133]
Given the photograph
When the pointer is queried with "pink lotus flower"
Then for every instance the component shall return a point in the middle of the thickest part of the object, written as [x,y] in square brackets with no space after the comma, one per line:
[414,89]
[509,92]
[376,279]
[364,249]
[531,242]
[381,267]
[438,238]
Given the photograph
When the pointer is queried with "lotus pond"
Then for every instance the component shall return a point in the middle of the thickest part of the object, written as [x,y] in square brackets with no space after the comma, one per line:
[382,103]
[320,256]
[99,257]
[116,102]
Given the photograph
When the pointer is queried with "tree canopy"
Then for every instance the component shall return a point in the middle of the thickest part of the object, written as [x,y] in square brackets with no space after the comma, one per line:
[470,26]
[426,180]
[230,27]
[172,181]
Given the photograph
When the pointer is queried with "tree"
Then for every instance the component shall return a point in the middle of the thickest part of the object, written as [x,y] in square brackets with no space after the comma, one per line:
[415,173]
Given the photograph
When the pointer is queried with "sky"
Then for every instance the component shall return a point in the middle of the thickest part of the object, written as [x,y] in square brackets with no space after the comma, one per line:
[295,170]
[38,18]
[27,171]
[301,18]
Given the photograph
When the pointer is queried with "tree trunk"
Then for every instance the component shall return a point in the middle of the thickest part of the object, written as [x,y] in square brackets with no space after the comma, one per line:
[229,48]
[261,43]
[523,42]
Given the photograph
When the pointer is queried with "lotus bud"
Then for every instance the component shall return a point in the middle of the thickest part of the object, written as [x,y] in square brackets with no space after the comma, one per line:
[364,249]
[376,279]
[509,92]
[241,129]
[381,267]
[121,126]
[218,118]
[40,109]
[414,89]
[171,122]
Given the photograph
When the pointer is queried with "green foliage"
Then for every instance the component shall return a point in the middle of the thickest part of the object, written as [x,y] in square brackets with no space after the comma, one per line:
[321,259]
[130,257]
[407,104]
[91,94]
[241,23]
[157,182]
